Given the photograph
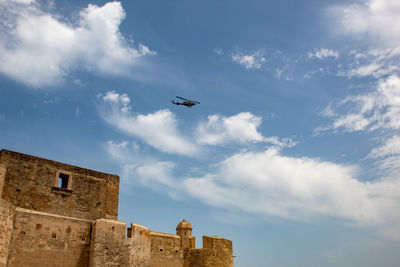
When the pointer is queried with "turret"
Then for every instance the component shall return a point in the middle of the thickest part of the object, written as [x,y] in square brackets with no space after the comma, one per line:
[184,230]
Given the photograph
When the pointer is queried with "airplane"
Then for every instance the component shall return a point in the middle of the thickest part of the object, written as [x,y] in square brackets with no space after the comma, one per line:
[186,102]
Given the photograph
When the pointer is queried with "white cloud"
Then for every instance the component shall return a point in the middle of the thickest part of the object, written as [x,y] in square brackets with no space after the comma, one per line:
[241,128]
[376,63]
[323,53]
[249,61]
[280,142]
[375,110]
[219,130]
[157,173]
[158,129]
[390,148]
[375,24]
[268,184]
[388,156]
[302,189]
[377,20]
[39,49]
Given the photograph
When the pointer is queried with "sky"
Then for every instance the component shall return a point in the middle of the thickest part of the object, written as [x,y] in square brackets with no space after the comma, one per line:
[293,152]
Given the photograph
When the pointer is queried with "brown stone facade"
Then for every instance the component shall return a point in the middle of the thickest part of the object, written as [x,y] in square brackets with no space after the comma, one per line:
[55,214]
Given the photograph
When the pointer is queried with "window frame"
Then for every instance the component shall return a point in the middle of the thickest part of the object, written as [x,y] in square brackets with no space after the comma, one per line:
[69,182]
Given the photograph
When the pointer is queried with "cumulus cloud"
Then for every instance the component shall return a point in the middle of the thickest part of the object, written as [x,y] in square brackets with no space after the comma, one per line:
[219,129]
[323,53]
[249,61]
[40,49]
[241,128]
[267,183]
[379,109]
[377,20]
[158,129]
[302,189]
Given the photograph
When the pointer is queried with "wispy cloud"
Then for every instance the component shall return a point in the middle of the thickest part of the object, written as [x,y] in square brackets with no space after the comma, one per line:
[388,156]
[378,109]
[249,61]
[323,53]
[39,49]
[375,63]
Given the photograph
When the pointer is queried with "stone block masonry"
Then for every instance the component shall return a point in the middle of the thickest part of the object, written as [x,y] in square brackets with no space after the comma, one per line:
[2,175]
[56,214]
[42,239]
[34,183]
[7,211]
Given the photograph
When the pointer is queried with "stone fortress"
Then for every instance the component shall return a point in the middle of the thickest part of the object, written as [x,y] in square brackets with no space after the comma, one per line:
[55,214]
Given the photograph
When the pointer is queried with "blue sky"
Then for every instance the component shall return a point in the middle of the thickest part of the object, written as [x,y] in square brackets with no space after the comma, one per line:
[293,153]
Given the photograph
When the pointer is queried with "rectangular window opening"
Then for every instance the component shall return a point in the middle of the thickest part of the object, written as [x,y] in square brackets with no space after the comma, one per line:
[63,180]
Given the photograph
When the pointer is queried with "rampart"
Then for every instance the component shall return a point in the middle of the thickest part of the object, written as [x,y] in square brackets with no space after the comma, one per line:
[165,250]
[55,214]
[41,239]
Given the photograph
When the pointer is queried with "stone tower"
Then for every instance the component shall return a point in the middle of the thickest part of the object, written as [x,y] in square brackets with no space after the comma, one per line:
[184,230]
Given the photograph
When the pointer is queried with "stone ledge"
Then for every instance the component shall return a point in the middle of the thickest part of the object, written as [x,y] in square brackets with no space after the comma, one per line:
[62,191]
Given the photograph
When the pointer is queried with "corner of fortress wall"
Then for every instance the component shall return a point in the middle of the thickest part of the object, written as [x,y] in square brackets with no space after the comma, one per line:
[216,251]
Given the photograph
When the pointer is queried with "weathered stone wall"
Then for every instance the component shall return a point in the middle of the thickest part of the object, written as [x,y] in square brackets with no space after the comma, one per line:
[108,247]
[2,176]
[31,182]
[216,251]
[6,224]
[165,250]
[43,240]
[139,246]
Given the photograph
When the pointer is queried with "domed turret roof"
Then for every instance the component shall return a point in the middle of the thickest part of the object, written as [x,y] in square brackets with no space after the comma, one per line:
[184,225]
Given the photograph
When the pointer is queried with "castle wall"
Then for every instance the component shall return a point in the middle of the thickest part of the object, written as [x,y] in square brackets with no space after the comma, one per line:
[6,224]
[42,240]
[216,251]
[139,245]
[165,250]
[32,183]
[55,214]
[109,245]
